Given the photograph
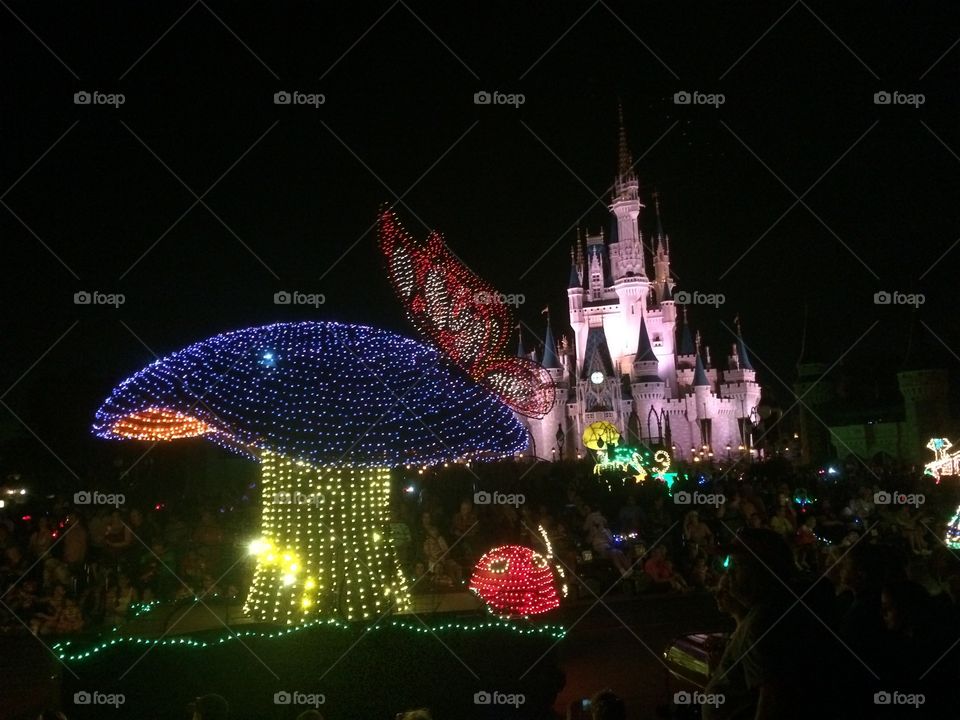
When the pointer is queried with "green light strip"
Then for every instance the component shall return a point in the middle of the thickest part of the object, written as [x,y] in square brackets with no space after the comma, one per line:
[556,632]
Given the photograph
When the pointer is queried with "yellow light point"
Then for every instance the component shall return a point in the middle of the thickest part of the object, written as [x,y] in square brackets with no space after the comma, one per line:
[288,580]
[309,585]
[306,602]
[258,547]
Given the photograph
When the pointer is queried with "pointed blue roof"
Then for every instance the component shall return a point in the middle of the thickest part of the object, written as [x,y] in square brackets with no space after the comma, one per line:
[644,348]
[699,374]
[597,354]
[521,351]
[550,359]
[745,363]
[686,341]
[574,281]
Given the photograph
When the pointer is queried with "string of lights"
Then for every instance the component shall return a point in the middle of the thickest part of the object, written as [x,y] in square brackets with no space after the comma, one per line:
[64,650]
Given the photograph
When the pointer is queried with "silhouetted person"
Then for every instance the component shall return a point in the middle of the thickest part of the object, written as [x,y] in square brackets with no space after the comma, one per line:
[605,705]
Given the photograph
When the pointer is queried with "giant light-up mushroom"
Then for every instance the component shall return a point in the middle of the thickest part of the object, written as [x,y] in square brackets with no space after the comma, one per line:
[327,409]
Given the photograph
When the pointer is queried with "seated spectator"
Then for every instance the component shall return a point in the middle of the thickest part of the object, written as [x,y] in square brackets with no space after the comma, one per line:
[75,540]
[701,576]
[860,507]
[45,621]
[660,570]
[697,534]
[442,567]
[463,525]
[805,545]
[781,524]
[41,540]
[601,540]
[70,619]
[119,598]
[911,530]
[117,538]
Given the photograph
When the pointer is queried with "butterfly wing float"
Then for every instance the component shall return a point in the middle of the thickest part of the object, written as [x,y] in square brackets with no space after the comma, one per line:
[463,316]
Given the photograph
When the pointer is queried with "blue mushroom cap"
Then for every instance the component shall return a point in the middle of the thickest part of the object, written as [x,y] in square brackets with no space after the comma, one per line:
[323,392]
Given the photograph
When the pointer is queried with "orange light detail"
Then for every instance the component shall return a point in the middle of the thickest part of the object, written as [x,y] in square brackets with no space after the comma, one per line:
[158,423]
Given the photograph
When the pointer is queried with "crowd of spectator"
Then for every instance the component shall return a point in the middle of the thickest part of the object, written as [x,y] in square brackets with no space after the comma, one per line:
[880,578]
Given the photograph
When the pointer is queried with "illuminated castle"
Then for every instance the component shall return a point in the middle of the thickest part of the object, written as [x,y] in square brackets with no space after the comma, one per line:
[635,360]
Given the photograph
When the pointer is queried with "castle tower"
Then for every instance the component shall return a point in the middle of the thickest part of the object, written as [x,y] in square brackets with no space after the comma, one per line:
[662,281]
[740,385]
[626,248]
[816,390]
[553,435]
[596,260]
[926,408]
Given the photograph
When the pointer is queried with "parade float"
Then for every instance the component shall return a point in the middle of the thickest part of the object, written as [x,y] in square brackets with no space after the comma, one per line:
[329,411]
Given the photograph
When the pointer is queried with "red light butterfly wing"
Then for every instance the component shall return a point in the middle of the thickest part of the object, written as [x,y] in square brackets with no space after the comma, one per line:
[462,315]
[522,384]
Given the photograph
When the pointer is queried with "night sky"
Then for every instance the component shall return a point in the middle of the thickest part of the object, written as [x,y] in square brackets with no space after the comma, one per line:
[98,198]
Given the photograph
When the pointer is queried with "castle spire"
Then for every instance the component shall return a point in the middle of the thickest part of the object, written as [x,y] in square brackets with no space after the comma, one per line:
[742,356]
[521,351]
[550,359]
[625,160]
[662,240]
[576,279]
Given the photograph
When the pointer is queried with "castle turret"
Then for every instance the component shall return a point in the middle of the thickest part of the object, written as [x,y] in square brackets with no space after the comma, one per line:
[662,281]
[926,411]
[626,249]
[596,259]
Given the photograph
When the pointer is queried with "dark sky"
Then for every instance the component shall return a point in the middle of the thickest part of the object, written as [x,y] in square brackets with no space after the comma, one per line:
[303,185]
